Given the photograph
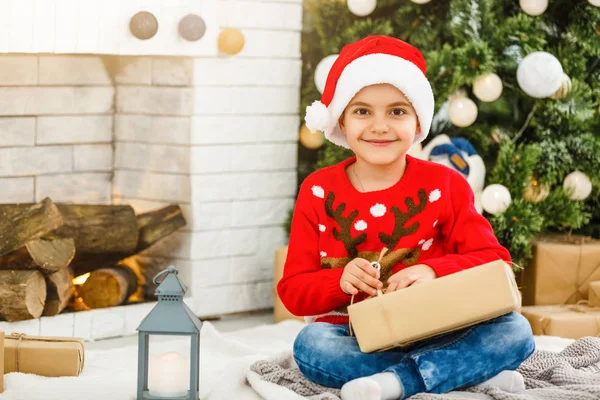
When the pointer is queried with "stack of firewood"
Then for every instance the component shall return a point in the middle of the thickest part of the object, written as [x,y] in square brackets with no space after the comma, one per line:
[44,246]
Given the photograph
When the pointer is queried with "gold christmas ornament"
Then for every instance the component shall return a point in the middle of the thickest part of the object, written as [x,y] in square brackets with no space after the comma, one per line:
[462,111]
[534,7]
[564,89]
[143,25]
[535,191]
[231,41]
[192,27]
[487,87]
[311,139]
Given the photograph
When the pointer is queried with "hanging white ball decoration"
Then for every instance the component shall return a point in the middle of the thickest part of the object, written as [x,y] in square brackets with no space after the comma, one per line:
[595,2]
[540,74]
[462,111]
[488,87]
[564,89]
[534,7]
[578,185]
[495,199]
[322,70]
[362,8]
[420,1]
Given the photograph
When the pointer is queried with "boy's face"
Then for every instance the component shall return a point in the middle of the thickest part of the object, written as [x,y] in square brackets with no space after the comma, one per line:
[380,124]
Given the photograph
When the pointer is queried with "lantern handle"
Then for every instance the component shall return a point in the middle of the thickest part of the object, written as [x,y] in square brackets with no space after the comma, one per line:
[170,270]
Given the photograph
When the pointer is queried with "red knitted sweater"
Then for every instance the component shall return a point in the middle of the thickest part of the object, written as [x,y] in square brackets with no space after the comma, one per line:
[427,217]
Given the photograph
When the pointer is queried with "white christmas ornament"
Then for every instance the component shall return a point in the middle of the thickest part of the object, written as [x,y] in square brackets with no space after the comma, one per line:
[420,1]
[487,87]
[462,111]
[578,185]
[495,199]
[540,74]
[534,7]
[322,70]
[362,8]
[564,89]
[595,2]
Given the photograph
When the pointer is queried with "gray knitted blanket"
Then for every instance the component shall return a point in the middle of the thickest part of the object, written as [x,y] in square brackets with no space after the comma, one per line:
[572,374]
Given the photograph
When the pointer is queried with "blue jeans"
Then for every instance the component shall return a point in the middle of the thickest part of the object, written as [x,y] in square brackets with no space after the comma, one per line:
[328,355]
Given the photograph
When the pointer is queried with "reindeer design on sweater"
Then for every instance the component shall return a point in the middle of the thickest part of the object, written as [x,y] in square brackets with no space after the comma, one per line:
[406,256]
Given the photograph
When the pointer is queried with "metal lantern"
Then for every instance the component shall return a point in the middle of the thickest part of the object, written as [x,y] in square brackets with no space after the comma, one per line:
[167,376]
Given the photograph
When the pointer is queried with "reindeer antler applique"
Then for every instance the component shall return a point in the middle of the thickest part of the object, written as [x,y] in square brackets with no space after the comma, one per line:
[345,223]
[402,218]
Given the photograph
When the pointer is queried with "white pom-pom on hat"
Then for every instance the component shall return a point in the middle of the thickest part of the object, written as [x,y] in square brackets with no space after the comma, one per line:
[317,117]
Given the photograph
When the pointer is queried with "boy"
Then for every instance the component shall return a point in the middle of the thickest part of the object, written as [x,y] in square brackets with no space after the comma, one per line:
[378,102]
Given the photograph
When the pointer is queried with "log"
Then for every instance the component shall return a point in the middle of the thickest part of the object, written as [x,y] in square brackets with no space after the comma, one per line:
[153,226]
[59,289]
[108,287]
[146,269]
[47,255]
[20,224]
[22,295]
[95,228]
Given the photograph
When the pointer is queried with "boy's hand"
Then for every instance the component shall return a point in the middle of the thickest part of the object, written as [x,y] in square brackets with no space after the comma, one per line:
[360,275]
[410,276]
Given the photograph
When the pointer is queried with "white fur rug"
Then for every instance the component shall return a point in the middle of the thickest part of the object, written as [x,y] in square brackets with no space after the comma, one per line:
[225,359]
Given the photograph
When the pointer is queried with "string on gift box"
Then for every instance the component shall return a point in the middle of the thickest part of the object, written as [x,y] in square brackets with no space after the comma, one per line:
[377,266]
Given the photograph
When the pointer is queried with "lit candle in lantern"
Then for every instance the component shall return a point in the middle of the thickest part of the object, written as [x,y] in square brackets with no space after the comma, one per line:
[169,375]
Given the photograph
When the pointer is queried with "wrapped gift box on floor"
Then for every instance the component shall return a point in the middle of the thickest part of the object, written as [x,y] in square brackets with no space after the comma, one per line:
[46,356]
[281,313]
[567,321]
[561,270]
[594,294]
[443,305]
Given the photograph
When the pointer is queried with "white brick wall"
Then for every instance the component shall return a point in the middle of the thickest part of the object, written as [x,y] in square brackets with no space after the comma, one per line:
[215,134]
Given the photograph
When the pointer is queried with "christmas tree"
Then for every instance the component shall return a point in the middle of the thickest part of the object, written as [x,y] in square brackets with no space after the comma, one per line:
[520,80]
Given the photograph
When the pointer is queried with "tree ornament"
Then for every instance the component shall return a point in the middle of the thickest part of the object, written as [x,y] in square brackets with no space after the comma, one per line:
[362,8]
[495,199]
[311,139]
[462,111]
[534,7]
[540,74]
[564,88]
[192,27]
[143,25]
[231,41]
[322,71]
[578,185]
[420,1]
[535,191]
[487,87]
[595,2]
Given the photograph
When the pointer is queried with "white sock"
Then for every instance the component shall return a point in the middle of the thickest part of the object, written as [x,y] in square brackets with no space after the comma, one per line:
[509,381]
[383,386]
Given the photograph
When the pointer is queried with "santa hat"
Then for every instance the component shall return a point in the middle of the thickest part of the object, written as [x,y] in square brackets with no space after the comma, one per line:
[371,61]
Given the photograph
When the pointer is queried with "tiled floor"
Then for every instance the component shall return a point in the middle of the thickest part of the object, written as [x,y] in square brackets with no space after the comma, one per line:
[224,324]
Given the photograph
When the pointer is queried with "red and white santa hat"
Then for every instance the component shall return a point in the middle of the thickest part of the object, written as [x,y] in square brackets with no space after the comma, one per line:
[370,61]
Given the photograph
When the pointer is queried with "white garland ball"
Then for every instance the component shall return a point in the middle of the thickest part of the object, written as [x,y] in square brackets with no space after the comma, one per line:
[595,2]
[420,1]
[362,8]
[540,74]
[534,7]
[488,87]
[578,185]
[564,89]
[322,70]
[462,111]
[495,199]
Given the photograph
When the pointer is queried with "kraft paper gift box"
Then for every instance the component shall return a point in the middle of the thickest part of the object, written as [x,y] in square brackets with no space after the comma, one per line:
[594,294]
[45,356]
[281,313]
[567,321]
[561,270]
[440,306]
[1,361]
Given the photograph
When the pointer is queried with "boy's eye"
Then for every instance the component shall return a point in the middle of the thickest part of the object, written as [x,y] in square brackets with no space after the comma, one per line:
[397,111]
[361,111]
